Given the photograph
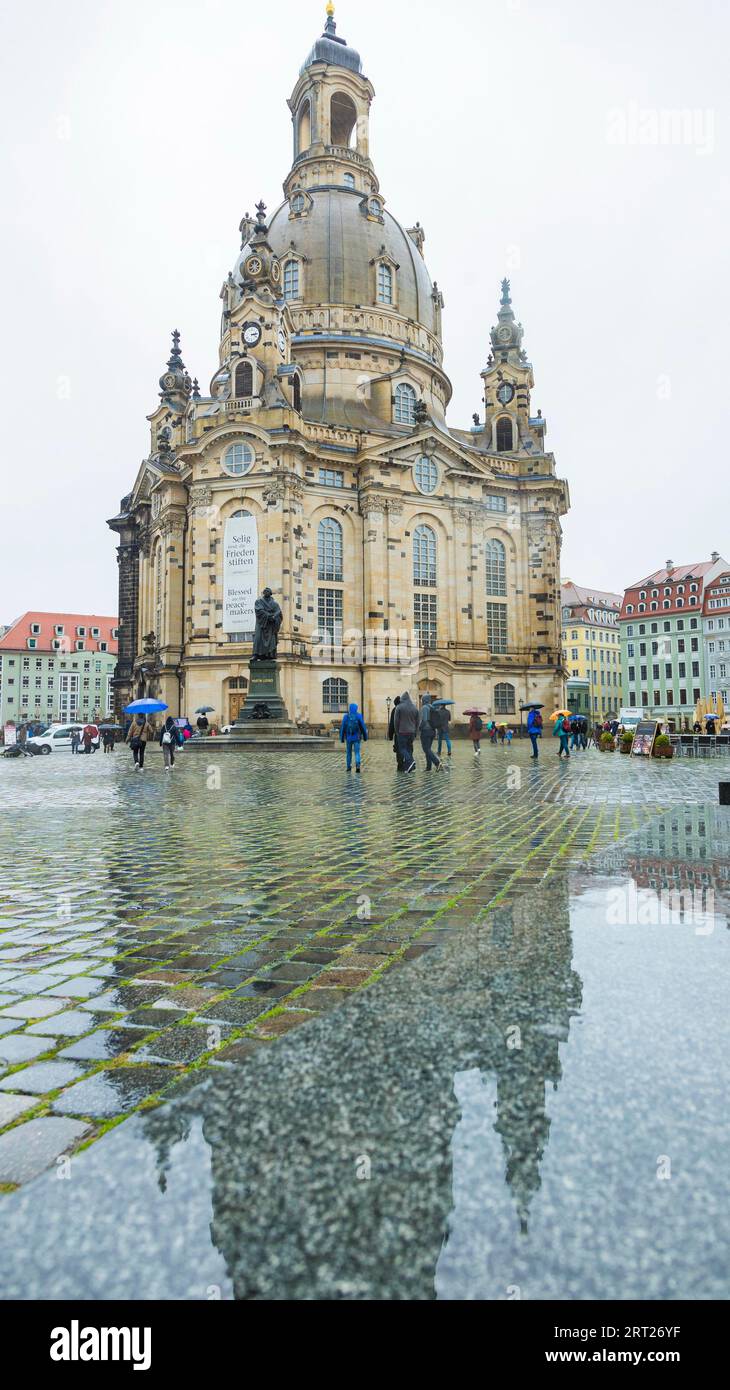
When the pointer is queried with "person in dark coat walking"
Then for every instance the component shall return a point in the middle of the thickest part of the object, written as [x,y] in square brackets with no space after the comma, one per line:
[441,718]
[392,735]
[427,731]
[405,725]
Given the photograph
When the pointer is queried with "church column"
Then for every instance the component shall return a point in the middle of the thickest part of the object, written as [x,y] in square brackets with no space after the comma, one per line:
[128,561]
[204,531]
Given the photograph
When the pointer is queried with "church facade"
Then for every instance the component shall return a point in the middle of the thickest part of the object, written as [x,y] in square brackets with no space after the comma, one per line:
[404,552]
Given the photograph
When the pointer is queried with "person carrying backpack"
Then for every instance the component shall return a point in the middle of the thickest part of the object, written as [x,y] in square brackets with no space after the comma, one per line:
[534,729]
[562,732]
[475,732]
[170,739]
[427,731]
[352,731]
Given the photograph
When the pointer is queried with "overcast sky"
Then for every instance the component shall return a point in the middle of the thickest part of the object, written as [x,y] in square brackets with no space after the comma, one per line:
[530,139]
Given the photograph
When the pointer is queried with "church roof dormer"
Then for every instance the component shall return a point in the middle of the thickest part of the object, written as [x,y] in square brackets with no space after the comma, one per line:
[331,49]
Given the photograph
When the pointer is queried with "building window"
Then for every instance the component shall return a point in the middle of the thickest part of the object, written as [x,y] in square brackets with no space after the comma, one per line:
[297,202]
[291,279]
[494,503]
[425,619]
[504,698]
[426,474]
[329,549]
[331,477]
[504,434]
[296,390]
[244,380]
[405,404]
[348,180]
[496,569]
[329,616]
[496,615]
[334,695]
[238,459]
[424,556]
[385,283]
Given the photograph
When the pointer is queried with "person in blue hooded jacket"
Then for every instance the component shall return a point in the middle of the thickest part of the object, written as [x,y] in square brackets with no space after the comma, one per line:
[352,732]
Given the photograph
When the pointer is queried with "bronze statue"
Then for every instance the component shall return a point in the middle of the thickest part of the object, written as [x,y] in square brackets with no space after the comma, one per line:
[268,621]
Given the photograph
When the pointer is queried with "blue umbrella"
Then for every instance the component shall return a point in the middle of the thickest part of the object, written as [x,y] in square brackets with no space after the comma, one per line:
[145,707]
[440,702]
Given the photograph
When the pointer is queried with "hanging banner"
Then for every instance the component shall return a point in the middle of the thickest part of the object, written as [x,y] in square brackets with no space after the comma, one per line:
[11,735]
[240,573]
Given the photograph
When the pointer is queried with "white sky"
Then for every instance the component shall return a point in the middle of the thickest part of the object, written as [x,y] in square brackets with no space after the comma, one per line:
[136,134]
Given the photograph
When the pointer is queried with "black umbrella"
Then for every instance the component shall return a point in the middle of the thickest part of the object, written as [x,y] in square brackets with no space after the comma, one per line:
[532,705]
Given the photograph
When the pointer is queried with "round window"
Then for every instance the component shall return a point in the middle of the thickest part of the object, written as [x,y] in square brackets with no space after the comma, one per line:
[427,474]
[375,207]
[238,459]
[297,202]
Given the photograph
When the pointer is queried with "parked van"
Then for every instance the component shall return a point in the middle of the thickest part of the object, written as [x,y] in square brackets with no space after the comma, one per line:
[630,716]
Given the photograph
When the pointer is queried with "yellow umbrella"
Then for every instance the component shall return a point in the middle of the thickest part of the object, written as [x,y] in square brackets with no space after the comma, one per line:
[557,713]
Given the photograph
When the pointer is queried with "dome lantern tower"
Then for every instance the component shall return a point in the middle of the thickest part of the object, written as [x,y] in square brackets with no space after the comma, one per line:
[330,108]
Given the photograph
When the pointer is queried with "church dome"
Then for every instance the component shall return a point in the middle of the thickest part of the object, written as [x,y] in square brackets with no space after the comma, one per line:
[338,243]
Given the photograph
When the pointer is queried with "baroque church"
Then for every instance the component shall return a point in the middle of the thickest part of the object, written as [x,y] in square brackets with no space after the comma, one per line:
[404,552]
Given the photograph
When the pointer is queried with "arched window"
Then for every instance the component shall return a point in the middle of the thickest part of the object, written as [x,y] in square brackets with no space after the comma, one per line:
[424,556]
[504,698]
[385,283]
[296,388]
[305,127]
[348,180]
[426,474]
[329,549]
[343,119]
[404,411]
[244,379]
[496,569]
[334,695]
[504,434]
[291,279]
[238,458]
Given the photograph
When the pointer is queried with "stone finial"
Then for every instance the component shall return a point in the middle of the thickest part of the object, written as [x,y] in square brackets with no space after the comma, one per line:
[196,389]
[505,293]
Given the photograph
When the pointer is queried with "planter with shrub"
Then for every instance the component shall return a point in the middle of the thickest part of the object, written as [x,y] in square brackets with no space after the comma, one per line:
[608,743]
[626,744]
[663,746]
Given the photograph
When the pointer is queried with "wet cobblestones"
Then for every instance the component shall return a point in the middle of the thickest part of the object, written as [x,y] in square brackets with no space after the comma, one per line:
[151,926]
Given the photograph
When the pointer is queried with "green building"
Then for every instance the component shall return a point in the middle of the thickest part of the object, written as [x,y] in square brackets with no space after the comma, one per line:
[57,667]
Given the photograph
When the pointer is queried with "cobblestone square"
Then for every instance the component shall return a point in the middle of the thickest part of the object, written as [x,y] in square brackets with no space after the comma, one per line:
[274,940]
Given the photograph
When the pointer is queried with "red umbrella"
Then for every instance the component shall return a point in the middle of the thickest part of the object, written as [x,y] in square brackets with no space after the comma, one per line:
[473,711]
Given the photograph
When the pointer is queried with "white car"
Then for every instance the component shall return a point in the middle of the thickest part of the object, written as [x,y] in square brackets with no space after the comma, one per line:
[58,736]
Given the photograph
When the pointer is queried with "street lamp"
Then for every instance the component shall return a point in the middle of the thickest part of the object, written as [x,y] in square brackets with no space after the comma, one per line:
[388,703]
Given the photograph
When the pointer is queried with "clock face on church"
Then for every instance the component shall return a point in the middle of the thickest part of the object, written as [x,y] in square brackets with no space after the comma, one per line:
[504,333]
[505,392]
[282,341]
[253,266]
[251,334]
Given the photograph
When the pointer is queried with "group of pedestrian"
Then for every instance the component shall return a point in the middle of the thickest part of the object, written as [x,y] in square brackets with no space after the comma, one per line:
[430,722]
[85,740]
[142,731]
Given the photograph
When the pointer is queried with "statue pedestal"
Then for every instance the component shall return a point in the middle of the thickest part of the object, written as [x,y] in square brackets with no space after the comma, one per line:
[263,701]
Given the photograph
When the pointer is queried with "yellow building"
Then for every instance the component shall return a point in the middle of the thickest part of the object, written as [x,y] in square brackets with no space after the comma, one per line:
[591,645]
[403,551]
